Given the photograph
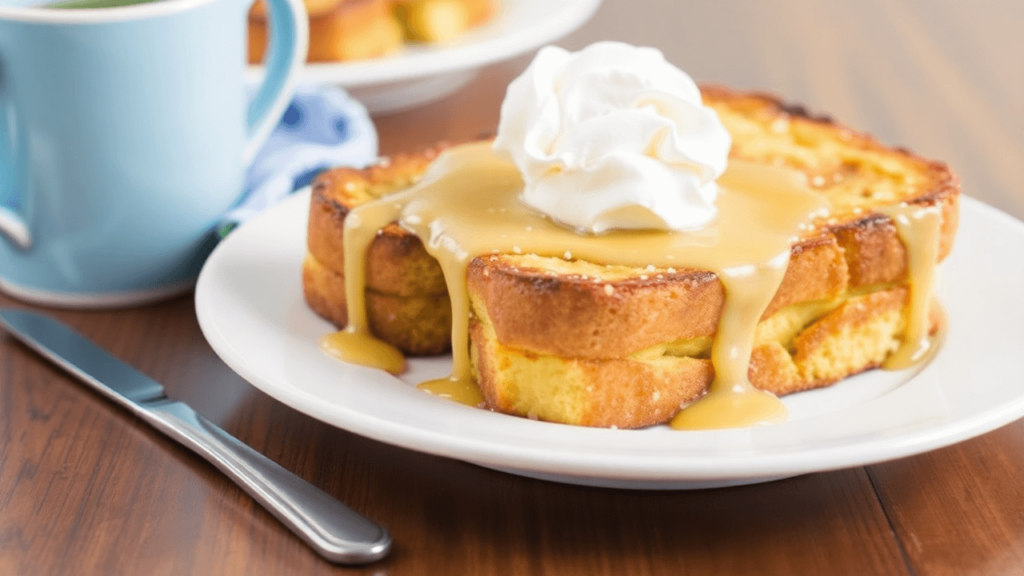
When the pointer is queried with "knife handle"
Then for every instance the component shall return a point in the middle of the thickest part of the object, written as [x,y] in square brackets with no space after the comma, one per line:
[336,532]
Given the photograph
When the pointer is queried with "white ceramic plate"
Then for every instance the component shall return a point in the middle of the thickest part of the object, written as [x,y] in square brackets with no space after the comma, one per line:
[418,74]
[250,308]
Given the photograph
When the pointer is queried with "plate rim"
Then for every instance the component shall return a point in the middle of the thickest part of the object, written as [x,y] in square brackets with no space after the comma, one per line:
[657,471]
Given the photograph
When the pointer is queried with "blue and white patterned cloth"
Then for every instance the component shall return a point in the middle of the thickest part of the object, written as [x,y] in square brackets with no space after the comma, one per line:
[323,127]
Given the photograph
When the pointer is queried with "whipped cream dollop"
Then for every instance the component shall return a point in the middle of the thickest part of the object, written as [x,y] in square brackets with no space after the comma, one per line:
[613,136]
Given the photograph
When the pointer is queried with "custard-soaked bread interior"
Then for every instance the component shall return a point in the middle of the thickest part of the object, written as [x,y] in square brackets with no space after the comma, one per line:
[584,343]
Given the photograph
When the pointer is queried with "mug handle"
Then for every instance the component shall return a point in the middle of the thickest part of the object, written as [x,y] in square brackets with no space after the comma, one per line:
[12,224]
[286,55]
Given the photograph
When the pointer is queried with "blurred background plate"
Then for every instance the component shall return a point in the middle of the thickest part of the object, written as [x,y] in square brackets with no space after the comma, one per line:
[419,74]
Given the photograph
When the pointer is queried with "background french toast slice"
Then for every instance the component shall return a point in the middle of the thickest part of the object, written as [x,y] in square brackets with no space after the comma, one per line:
[407,300]
[441,20]
[339,30]
[584,343]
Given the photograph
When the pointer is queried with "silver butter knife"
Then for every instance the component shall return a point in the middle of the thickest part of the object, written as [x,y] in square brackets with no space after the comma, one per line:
[336,532]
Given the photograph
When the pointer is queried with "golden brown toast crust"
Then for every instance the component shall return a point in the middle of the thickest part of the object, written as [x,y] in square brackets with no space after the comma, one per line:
[397,262]
[605,312]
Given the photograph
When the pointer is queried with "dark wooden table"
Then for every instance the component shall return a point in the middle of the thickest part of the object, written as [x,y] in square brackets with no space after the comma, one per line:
[87,489]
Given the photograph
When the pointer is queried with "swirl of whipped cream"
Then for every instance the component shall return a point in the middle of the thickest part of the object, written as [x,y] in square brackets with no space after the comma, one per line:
[613,136]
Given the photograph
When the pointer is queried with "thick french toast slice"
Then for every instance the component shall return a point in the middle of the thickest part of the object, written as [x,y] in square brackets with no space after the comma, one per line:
[588,344]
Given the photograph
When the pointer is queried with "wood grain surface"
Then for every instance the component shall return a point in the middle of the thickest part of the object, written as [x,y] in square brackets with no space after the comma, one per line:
[87,489]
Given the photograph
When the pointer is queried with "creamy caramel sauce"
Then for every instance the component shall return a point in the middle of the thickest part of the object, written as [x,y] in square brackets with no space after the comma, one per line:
[919,227]
[732,401]
[355,344]
[467,206]
[363,349]
[461,390]
[721,407]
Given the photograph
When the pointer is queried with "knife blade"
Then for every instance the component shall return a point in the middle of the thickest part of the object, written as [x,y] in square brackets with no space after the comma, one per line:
[336,532]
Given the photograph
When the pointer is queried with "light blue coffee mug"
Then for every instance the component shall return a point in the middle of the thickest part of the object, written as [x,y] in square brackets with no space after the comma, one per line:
[124,134]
